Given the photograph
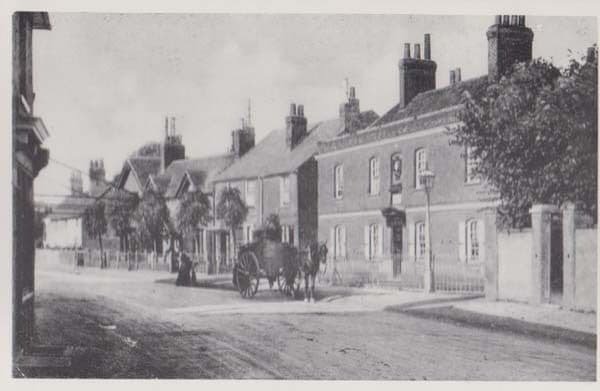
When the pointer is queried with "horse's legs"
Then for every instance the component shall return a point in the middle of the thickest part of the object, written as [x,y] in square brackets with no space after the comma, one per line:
[312,287]
[306,298]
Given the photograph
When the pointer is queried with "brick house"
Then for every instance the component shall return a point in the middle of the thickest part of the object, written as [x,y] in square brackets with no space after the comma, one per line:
[371,202]
[279,176]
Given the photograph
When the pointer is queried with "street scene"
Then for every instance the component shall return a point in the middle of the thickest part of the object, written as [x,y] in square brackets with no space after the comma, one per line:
[304,197]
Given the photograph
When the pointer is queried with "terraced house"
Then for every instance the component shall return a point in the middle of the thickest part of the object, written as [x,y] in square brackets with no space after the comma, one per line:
[371,200]
[279,175]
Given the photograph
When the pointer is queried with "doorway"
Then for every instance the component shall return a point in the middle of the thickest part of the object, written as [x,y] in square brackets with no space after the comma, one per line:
[556,259]
[397,248]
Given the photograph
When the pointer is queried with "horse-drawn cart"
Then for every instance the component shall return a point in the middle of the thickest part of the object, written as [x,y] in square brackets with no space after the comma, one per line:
[268,259]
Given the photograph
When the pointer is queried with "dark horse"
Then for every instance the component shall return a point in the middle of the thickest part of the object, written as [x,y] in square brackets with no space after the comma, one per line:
[316,254]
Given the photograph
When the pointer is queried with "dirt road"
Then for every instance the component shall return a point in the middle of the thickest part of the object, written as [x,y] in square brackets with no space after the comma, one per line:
[135,327]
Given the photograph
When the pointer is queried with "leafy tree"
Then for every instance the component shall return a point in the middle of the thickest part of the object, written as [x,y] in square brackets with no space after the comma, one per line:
[94,220]
[232,210]
[121,210]
[151,218]
[193,210]
[535,135]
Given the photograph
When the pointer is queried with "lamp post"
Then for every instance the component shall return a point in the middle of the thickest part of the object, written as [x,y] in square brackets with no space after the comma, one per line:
[427,178]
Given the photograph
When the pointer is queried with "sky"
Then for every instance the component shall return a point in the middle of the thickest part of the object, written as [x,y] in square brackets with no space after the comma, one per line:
[105,82]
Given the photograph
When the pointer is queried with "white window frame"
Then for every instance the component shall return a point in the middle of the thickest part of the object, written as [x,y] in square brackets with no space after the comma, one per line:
[473,241]
[374,176]
[471,163]
[284,195]
[287,236]
[375,241]
[339,245]
[250,190]
[420,240]
[420,166]
[338,182]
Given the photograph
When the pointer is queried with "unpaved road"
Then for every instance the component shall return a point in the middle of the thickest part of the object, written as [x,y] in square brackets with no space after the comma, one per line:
[135,327]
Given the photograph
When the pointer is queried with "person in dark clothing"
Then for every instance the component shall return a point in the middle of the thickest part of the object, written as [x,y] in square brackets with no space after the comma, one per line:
[185,268]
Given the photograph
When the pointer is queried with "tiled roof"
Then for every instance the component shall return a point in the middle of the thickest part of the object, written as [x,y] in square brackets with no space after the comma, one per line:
[271,156]
[434,100]
[144,167]
[427,110]
[210,166]
[160,181]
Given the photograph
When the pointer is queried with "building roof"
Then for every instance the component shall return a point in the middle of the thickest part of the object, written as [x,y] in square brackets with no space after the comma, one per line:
[70,207]
[272,156]
[201,170]
[427,110]
[143,167]
[159,182]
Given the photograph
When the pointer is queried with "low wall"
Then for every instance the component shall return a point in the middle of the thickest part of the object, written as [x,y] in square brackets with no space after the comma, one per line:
[514,265]
[586,269]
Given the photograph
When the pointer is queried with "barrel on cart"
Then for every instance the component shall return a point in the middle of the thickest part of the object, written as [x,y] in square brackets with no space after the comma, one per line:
[275,261]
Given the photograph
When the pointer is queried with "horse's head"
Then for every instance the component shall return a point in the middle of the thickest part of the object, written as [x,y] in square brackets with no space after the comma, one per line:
[322,252]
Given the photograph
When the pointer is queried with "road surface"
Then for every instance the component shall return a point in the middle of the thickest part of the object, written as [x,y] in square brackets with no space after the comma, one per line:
[139,325]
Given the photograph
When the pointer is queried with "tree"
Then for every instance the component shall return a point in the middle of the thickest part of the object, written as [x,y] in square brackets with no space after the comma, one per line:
[121,211]
[151,218]
[193,210]
[94,220]
[232,210]
[534,135]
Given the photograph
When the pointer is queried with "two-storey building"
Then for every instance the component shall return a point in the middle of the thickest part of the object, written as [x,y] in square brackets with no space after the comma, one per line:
[279,175]
[371,199]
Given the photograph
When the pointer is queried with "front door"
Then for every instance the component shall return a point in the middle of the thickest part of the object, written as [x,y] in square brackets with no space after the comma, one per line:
[397,248]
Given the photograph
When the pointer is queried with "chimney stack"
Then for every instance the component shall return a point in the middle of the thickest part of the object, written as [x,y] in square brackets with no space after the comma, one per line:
[97,177]
[509,42]
[295,125]
[350,113]
[427,47]
[452,77]
[416,75]
[458,76]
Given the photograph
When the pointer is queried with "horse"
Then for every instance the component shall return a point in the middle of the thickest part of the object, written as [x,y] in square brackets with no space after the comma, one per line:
[316,254]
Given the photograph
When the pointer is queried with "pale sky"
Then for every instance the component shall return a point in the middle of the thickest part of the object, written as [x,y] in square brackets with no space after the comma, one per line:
[104,82]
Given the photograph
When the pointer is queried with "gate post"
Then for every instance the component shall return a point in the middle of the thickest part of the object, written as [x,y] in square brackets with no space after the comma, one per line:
[541,215]
[569,261]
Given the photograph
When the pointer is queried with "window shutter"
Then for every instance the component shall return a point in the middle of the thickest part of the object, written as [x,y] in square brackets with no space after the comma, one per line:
[481,238]
[366,242]
[343,242]
[332,242]
[462,246]
[380,237]
[411,241]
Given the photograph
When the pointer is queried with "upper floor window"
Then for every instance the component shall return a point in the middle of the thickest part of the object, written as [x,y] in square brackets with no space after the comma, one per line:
[338,181]
[251,193]
[374,176]
[420,247]
[284,193]
[420,166]
[396,170]
[471,166]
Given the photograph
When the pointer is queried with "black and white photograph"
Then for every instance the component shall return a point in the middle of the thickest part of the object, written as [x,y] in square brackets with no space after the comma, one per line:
[303,195]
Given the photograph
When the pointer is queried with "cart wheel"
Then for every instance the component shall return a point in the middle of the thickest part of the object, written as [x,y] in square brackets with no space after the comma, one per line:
[247,274]
[289,282]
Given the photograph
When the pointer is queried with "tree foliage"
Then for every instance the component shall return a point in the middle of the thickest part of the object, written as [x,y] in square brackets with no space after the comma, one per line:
[94,220]
[535,135]
[193,211]
[152,220]
[232,209]
[121,211]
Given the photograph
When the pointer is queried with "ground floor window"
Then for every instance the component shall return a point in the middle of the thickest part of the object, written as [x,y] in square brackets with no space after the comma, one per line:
[373,241]
[471,240]
[420,240]
[287,234]
[339,242]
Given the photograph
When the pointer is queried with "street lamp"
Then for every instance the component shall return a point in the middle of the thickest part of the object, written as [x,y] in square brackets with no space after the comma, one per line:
[427,178]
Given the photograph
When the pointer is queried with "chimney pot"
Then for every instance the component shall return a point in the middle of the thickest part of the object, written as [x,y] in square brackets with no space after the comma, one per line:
[498,19]
[427,47]
[406,50]
[458,77]
[522,20]
[514,20]
[300,110]
[417,51]
[352,93]
[293,109]
[452,77]
[505,20]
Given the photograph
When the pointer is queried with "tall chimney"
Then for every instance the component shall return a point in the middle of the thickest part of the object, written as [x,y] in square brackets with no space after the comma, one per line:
[166,127]
[416,75]
[452,77]
[350,112]
[458,77]
[508,43]
[417,51]
[295,126]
